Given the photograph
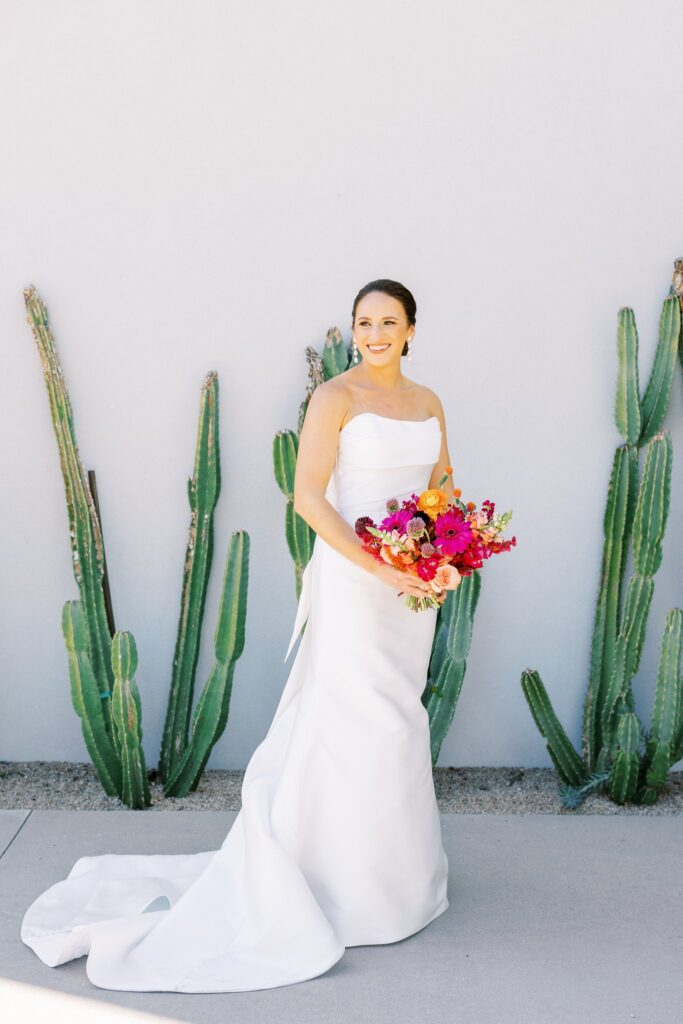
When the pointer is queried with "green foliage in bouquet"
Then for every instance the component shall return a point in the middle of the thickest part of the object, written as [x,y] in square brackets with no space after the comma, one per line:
[620,757]
[335,358]
[101,666]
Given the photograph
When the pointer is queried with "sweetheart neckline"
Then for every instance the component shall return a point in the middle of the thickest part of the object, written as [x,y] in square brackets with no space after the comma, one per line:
[392,419]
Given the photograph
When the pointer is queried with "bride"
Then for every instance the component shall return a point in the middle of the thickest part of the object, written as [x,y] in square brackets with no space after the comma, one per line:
[338,839]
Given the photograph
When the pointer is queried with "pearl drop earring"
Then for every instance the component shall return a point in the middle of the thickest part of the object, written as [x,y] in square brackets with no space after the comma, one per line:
[410,347]
[354,349]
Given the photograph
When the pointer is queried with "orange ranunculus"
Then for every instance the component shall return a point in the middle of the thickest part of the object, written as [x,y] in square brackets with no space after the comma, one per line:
[434,502]
[457,492]
[395,560]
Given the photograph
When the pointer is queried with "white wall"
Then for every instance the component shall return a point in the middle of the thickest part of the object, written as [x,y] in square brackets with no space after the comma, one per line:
[196,186]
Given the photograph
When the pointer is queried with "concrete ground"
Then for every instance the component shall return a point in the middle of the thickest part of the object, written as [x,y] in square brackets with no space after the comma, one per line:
[554,919]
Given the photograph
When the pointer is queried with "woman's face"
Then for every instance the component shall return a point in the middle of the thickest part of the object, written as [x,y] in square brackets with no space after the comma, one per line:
[381,328]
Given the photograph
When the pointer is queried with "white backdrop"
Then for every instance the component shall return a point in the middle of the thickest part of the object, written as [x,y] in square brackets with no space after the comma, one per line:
[205,185]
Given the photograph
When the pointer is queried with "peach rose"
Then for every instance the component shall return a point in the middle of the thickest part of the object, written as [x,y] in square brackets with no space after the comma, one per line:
[447,577]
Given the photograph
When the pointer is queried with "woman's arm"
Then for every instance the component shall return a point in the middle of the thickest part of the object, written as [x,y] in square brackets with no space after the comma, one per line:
[315,461]
[444,458]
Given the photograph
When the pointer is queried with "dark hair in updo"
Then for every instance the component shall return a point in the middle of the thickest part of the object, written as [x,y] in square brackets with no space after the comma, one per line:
[397,291]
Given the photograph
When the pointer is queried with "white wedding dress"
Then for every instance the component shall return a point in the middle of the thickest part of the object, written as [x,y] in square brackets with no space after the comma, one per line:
[338,839]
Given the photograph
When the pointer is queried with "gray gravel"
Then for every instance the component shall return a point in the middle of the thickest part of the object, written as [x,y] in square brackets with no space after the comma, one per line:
[65,785]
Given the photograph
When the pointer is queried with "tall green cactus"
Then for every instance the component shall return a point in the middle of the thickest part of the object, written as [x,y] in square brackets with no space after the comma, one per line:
[101,669]
[184,757]
[84,623]
[448,660]
[203,490]
[618,754]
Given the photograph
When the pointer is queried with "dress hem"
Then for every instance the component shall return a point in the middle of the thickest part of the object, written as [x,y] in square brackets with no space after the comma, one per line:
[404,935]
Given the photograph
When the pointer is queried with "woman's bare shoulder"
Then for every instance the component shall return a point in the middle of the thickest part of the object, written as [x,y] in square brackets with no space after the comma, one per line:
[332,392]
[330,400]
[431,400]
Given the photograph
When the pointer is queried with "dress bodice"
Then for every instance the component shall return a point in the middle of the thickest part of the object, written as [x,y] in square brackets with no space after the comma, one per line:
[379,457]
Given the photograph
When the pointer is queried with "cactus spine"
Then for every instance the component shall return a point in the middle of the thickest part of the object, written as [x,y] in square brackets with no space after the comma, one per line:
[618,753]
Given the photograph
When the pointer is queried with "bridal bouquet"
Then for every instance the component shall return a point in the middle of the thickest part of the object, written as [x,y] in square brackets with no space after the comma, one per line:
[437,541]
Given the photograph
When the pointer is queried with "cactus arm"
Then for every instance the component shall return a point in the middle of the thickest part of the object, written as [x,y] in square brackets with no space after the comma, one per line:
[666,709]
[335,356]
[444,691]
[300,539]
[87,700]
[658,391]
[448,662]
[439,654]
[567,761]
[211,713]
[652,508]
[628,649]
[617,519]
[459,617]
[203,493]
[660,760]
[127,721]
[627,413]
[285,450]
[299,535]
[623,778]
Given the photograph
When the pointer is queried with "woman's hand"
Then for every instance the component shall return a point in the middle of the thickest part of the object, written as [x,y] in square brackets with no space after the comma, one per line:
[403,582]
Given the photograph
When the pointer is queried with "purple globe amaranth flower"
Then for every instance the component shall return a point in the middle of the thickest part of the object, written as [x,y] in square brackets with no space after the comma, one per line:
[427,549]
[392,505]
[453,533]
[415,527]
[398,520]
